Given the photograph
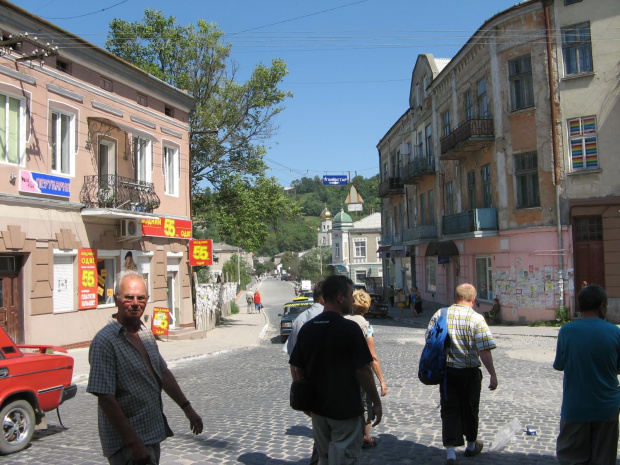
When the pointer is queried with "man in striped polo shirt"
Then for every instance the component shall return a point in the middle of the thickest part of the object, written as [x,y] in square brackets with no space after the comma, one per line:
[470,342]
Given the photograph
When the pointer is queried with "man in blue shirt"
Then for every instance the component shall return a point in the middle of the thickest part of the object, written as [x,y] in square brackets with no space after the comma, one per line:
[588,352]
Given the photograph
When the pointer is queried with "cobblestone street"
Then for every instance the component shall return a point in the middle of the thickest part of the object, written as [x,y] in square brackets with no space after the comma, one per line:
[243,398]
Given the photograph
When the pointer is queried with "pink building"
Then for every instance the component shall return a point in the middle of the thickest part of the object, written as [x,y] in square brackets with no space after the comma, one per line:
[94,158]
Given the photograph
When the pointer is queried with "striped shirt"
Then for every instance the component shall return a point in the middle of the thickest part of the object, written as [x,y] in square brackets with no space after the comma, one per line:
[469,333]
[118,369]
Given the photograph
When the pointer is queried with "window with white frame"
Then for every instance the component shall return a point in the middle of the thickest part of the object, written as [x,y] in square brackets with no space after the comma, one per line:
[577,49]
[171,170]
[521,84]
[12,129]
[449,198]
[360,276]
[63,275]
[429,142]
[526,173]
[484,278]
[106,270]
[583,143]
[431,273]
[142,159]
[359,245]
[468,105]
[483,103]
[431,207]
[487,196]
[63,130]
[445,118]
[337,249]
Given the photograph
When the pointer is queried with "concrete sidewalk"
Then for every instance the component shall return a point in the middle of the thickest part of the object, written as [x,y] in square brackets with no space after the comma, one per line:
[429,309]
[238,331]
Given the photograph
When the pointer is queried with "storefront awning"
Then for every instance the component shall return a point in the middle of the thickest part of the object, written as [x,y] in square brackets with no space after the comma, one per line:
[443,248]
[383,248]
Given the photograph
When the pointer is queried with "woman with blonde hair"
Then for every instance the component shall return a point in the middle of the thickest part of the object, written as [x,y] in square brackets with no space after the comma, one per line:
[361,304]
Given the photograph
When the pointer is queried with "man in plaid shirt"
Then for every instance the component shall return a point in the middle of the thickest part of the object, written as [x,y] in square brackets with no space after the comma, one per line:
[127,374]
[470,342]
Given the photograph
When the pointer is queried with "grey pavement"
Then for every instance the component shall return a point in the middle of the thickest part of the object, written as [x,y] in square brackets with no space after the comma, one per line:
[239,331]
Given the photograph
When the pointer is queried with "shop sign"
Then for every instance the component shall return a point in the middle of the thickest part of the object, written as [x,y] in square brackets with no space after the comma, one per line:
[201,252]
[167,227]
[41,183]
[161,318]
[87,272]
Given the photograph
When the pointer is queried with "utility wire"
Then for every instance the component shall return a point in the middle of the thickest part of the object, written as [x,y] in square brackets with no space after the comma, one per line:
[88,14]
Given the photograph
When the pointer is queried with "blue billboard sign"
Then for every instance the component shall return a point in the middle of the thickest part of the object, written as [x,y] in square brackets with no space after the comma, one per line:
[41,183]
[336,180]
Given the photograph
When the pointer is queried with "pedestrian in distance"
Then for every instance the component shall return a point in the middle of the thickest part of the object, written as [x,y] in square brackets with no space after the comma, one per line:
[361,304]
[127,374]
[391,294]
[588,352]
[249,298]
[303,318]
[402,300]
[470,342]
[332,355]
[257,301]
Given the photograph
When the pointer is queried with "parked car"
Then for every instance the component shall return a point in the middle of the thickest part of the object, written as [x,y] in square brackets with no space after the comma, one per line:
[361,286]
[291,311]
[34,379]
[378,308]
[284,277]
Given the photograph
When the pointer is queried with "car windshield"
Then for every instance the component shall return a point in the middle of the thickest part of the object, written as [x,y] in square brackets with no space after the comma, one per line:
[296,310]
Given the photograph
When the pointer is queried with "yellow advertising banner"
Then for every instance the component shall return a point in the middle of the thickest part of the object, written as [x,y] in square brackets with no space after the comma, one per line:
[161,321]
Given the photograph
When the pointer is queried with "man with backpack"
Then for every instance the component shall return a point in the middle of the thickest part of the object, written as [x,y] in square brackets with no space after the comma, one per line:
[469,341]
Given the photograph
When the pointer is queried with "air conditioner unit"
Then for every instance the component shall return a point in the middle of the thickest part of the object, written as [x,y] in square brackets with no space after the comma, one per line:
[404,149]
[130,229]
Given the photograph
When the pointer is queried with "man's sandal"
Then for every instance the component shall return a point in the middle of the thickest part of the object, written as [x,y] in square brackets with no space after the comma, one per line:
[368,443]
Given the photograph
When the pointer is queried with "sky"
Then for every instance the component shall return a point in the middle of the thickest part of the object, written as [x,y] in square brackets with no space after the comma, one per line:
[349,62]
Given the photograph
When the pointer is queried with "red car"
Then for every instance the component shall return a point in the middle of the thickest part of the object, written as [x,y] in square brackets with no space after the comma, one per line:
[33,380]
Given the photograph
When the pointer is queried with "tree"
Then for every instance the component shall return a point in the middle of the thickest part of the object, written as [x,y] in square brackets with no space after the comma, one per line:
[229,270]
[290,263]
[232,120]
[310,267]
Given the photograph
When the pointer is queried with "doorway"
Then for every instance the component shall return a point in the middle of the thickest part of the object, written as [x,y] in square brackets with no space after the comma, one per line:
[173,299]
[9,305]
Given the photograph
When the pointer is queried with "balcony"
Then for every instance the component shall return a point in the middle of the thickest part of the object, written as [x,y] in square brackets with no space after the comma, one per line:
[420,234]
[391,239]
[417,168]
[390,187]
[111,191]
[470,136]
[475,221]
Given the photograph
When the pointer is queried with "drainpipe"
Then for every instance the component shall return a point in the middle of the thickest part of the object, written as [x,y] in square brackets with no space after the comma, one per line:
[554,149]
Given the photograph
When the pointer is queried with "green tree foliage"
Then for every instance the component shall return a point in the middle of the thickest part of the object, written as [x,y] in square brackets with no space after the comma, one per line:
[290,263]
[229,271]
[310,266]
[232,120]
[266,267]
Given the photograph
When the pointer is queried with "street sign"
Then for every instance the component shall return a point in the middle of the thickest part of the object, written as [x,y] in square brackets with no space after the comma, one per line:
[335,180]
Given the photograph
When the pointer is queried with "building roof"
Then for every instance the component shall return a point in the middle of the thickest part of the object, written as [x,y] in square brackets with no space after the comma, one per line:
[342,219]
[370,222]
[441,63]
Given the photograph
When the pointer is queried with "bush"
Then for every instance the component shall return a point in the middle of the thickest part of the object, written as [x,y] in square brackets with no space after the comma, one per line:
[234,308]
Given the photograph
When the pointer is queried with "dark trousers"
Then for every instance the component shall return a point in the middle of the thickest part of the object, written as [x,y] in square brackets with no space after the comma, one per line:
[460,402]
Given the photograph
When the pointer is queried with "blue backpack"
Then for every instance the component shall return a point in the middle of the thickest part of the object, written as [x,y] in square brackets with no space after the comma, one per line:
[433,359]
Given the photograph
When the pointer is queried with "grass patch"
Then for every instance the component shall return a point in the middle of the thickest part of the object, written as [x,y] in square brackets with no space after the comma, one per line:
[561,318]
[234,308]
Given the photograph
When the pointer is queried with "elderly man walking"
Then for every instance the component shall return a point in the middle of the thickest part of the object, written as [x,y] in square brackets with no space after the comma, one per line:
[588,352]
[332,354]
[470,342]
[127,374]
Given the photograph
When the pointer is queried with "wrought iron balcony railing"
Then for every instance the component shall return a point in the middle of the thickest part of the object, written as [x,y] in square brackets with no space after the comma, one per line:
[420,233]
[391,186]
[467,137]
[391,239]
[417,168]
[480,219]
[111,191]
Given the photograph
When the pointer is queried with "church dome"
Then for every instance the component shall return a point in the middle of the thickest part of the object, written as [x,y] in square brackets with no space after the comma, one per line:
[326,214]
[342,219]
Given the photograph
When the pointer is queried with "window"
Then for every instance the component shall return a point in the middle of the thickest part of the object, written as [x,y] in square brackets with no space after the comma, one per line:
[471,189]
[484,281]
[526,172]
[12,129]
[169,111]
[583,142]
[106,84]
[425,85]
[445,118]
[449,198]
[142,100]
[468,103]
[431,207]
[419,147]
[577,49]
[337,249]
[487,199]
[360,248]
[422,209]
[431,275]
[142,159]
[106,269]
[521,85]
[588,228]
[418,100]
[63,66]
[143,266]
[385,171]
[63,293]
[171,170]
[62,142]
[483,103]
[429,142]
[360,276]
[410,213]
